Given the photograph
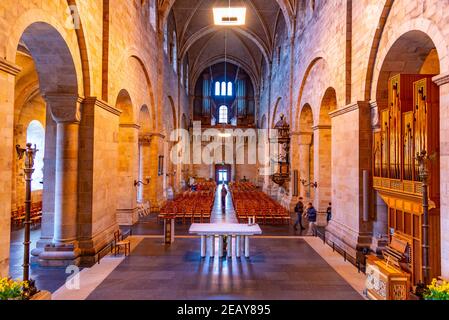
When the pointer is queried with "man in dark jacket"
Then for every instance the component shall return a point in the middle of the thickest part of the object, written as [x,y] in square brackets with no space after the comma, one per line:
[299,209]
[224,193]
[311,215]
[329,212]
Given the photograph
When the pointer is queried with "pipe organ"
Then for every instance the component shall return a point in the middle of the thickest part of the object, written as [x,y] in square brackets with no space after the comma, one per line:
[409,125]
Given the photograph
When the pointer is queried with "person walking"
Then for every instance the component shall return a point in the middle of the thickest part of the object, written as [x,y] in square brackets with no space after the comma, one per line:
[311,215]
[299,209]
[224,194]
[329,213]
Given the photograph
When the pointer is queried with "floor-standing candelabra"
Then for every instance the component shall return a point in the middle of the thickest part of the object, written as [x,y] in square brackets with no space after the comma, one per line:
[30,154]
[424,174]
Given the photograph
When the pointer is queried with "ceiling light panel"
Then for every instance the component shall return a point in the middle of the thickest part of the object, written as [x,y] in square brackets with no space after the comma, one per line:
[229,16]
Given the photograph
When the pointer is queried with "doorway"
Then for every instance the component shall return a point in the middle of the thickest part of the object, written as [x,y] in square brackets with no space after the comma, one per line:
[222,174]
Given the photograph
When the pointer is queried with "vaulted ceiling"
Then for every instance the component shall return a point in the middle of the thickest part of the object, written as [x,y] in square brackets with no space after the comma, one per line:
[246,46]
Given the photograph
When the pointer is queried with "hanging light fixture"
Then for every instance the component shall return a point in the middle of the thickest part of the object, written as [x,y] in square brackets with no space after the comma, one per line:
[231,16]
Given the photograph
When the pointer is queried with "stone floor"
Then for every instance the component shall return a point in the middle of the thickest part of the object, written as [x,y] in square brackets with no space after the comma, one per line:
[278,269]
[283,266]
[49,279]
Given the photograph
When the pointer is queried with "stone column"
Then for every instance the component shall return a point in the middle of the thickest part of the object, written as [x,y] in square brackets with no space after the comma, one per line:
[127,173]
[443,82]
[145,165]
[323,166]
[48,196]
[66,112]
[8,71]
[304,141]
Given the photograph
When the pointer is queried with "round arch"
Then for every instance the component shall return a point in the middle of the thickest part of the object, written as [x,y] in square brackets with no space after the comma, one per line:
[420,27]
[46,36]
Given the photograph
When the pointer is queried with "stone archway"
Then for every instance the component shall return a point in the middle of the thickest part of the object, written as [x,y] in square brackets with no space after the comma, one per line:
[128,142]
[323,145]
[49,79]
[306,152]
[144,167]
[415,55]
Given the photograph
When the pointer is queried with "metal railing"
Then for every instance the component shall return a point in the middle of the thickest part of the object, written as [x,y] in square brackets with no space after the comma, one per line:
[355,261]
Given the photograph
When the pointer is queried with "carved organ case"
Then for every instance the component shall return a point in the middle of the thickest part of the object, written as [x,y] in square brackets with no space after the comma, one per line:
[409,124]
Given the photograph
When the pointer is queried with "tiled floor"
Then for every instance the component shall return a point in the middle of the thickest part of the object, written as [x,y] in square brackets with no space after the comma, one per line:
[283,266]
[279,269]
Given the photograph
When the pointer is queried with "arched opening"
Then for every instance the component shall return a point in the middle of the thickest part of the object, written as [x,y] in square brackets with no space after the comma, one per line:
[128,162]
[306,153]
[223,115]
[323,157]
[36,136]
[47,70]
[143,191]
[408,123]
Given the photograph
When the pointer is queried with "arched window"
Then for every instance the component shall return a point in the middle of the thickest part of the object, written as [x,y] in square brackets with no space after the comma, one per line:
[223,88]
[166,38]
[223,114]
[217,88]
[153,14]
[36,136]
[175,53]
[230,89]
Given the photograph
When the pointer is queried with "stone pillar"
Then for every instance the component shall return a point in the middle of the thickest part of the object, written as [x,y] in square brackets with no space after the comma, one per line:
[48,196]
[323,166]
[304,142]
[66,112]
[443,82]
[8,71]
[98,190]
[351,155]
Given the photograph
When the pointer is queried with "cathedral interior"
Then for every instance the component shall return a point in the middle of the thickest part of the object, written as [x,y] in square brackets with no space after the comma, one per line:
[226,149]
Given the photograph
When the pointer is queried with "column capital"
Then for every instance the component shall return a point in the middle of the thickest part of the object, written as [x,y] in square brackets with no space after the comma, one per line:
[441,79]
[145,139]
[64,108]
[9,67]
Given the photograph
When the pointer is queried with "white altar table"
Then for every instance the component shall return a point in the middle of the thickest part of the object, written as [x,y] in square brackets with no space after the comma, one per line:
[237,232]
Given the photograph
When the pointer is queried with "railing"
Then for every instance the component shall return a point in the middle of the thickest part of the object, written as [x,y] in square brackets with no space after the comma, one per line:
[361,267]
[110,246]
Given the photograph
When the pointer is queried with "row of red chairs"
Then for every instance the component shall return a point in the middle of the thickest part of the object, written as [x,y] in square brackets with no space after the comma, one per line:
[191,206]
[250,202]
[18,215]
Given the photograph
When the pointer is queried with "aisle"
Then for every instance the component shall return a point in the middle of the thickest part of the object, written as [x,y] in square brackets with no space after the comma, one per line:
[217,214]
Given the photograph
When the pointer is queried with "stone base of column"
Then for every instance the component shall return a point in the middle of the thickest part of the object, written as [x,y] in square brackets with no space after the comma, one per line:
[127,217]
[40,247]
[350,241]
[58,256]
[91,247]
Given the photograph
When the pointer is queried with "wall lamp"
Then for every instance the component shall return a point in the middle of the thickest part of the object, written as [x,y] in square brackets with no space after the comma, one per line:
[138,183]
[310,184]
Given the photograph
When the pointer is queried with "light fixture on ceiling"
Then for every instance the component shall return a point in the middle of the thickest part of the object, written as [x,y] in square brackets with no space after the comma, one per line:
[232,16]
[225,135]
